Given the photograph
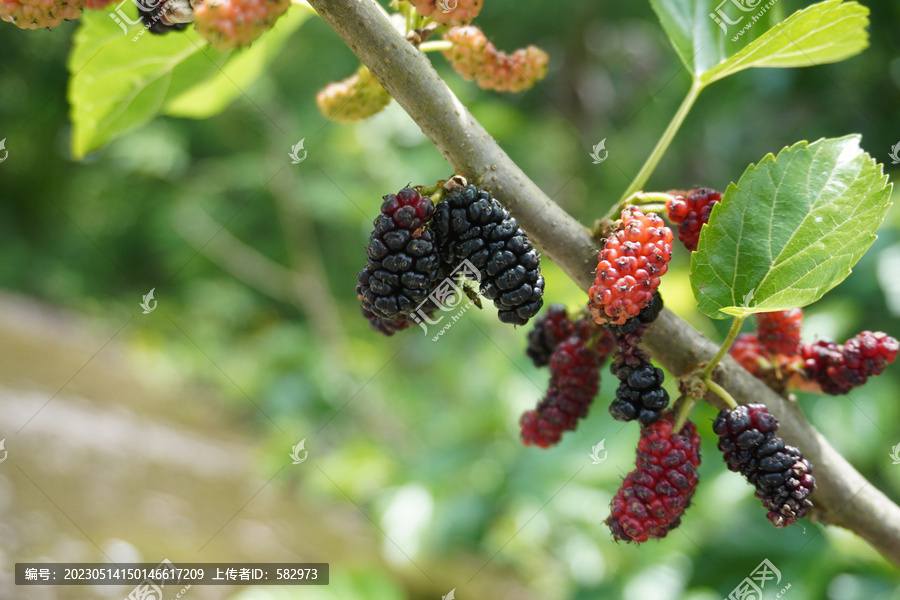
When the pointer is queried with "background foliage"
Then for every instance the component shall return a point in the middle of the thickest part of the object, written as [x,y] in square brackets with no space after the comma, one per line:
[432,436]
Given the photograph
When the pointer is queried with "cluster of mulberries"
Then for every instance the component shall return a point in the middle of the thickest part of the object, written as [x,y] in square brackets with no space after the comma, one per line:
[839,368]
[654,496]
[415,244]
[776,355]
[629,267]
[575,350]
[356,98]
[230,24]
[449,12]
[782,477]
[690,211]
[35,14]
[473,226]
[474,57]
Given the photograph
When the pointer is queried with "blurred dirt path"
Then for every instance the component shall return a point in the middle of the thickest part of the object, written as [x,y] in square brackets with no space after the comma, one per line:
[116,467]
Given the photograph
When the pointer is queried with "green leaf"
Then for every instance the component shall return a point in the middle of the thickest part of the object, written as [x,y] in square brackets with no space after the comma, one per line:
[790,230]
[212,96]
[697,39]
[715,38]
[823,33]
[121,80]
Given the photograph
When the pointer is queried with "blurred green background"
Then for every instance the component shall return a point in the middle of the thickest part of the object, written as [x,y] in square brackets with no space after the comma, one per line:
[416,481]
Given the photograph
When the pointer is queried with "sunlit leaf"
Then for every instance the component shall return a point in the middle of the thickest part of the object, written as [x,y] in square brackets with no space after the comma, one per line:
[790,230]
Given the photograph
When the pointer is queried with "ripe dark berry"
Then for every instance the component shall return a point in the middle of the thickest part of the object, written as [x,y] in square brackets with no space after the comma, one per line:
[779,331]
[640,394]
[782,477]
[690,211]
[574,381]
[389,327]
[654,496]
[403,259]
[629,267]
[840,368]
[473,226]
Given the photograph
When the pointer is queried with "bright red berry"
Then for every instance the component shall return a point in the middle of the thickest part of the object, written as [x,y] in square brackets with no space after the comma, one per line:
[782,477]
[654,496]
[779,331]
[629,267]
[574,381]
[690,211]
[840,368]
[474,57]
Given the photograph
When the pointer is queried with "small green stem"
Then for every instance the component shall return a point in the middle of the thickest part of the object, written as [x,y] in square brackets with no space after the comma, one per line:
[638,198]
[683,412]
[721,392]
[664,142]
[436,46]
[723,349]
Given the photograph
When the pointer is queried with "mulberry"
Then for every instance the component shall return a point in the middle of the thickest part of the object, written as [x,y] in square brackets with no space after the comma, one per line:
[654,496]
[403,259]
[779,331]
[840,368]
[473,226]
[782,477]
[629,267]
[356,98]
[474,57]
[690,211]
[230,24]
[574,381]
